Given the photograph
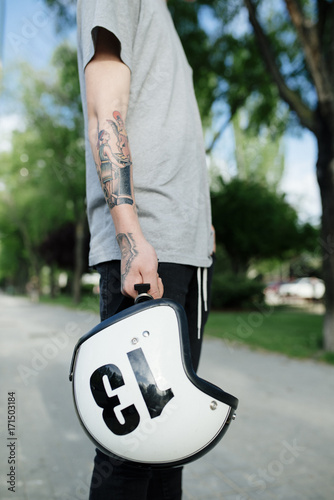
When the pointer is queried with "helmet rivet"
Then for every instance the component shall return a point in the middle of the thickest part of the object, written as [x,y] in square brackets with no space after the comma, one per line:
[134,340]
[146,333]
[213,405]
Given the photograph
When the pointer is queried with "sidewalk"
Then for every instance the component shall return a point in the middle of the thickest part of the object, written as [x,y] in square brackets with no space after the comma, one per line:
[280,447]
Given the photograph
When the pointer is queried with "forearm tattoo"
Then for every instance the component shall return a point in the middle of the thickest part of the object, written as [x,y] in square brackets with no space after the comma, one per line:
[114,162]
[128,249]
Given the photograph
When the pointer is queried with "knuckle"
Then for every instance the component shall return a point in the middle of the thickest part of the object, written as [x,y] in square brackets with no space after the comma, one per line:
[127,288]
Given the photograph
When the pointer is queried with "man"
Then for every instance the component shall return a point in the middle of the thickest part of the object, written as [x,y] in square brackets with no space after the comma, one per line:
[151,223]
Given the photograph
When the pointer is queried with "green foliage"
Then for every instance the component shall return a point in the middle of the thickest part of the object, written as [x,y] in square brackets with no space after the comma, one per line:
[57,247]
[244,68]
[259,156]
[306,264]
[11,245]
[68,88]
[227,63]
[234,292]
[226,58]
[198,49]
[249,54]
[88,302]
[290,332]
[252,222]
[64,11]
[44,173]
[231,291]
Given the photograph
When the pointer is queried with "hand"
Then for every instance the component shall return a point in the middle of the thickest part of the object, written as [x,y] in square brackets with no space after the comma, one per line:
[139,264]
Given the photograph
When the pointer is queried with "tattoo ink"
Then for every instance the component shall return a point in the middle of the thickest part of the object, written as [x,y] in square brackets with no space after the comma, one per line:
[128,249]
[115,163]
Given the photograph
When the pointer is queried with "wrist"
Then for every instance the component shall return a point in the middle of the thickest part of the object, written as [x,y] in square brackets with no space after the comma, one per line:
[126,220]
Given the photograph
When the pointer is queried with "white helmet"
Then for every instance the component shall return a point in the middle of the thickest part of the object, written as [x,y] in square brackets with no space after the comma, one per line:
[136,393]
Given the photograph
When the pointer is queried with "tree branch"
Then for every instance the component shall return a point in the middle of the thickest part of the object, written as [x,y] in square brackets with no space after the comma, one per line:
[217,136]
[305,114]
[325,29]
[308,35]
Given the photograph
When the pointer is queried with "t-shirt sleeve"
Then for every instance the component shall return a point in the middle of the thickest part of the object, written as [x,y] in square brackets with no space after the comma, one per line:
[120,17]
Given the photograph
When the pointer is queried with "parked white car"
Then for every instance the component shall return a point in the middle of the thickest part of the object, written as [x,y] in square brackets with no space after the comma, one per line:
[305,288]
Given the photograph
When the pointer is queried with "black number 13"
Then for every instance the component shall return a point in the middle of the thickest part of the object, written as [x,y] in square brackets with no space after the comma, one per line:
[154,398]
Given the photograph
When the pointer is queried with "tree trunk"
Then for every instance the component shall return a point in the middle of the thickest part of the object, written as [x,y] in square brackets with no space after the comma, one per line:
[325,173]
[52,281]
[79,258]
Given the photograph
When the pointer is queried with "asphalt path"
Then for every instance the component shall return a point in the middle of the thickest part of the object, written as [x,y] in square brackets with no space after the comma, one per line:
[281,445]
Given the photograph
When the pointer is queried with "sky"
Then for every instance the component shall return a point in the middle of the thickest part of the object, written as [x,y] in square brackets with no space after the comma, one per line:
[30,35]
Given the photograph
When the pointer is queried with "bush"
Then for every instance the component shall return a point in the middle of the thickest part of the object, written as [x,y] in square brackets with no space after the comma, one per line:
[235,291]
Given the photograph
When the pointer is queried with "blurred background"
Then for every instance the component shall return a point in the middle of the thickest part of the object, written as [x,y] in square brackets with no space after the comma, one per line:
[262,107]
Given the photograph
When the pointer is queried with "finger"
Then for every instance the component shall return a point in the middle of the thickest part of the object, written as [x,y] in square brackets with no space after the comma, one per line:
[128,285]
[156,289]
[161,287]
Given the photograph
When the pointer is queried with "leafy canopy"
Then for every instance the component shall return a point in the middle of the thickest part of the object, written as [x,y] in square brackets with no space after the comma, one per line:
[253,222]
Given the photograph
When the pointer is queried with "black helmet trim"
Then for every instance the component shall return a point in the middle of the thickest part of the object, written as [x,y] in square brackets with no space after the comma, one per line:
[202,384]
[160,465]
[205,387]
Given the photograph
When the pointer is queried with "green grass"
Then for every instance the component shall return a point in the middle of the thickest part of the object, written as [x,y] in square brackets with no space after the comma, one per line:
[286,330]
[88,302]
[295,333]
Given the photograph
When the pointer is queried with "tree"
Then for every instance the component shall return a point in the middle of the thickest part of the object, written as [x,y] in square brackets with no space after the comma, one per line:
[313,24]
[281,61]
[44,174]
[259,157]
[253,222]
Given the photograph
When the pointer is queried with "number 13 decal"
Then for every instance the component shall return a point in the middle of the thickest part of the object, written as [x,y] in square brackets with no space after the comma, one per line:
[155,398]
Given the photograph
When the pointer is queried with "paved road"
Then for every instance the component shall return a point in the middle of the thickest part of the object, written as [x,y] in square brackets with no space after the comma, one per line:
[281,446]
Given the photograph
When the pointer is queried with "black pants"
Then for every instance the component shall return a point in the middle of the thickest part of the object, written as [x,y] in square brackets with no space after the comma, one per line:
[114,480]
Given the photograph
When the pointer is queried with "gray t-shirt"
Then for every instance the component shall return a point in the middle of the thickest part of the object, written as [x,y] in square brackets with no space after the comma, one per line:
[165,134]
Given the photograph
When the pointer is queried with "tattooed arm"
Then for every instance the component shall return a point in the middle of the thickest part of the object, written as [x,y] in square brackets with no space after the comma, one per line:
[108,88]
